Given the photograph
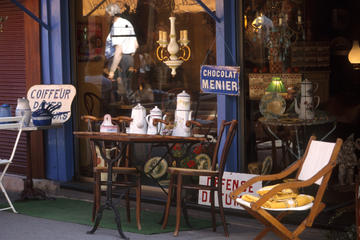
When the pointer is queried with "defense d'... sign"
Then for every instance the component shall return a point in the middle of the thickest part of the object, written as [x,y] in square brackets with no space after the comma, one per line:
[220,79]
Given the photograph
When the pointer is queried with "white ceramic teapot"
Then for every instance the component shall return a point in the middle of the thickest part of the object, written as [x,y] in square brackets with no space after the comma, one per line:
[138,123]
[180,128]
[23,109]
[307,108]
[308,88]
[155,113]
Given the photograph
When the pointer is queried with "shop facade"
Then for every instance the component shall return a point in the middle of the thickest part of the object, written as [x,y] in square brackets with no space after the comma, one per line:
[283,38]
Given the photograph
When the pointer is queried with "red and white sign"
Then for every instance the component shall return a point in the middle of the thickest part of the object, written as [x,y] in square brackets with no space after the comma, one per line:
[230,182]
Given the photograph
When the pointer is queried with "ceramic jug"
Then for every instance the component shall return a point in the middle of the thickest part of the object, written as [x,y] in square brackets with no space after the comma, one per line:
[138,123]
[180,128]
[307,108]
[23,109]
[5,110]
[155,113]
[107,126]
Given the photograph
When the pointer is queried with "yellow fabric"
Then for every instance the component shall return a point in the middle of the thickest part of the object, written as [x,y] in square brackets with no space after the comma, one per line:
[249,198]
[298,201]
[266,189]
[280,196]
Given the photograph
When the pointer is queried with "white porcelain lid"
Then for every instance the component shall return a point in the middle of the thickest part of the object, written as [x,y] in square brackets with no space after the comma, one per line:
[138,107]
[155,111]
[183,94]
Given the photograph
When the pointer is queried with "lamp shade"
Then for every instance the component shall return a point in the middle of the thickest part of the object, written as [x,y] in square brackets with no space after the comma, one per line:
[354,55]
[276,85]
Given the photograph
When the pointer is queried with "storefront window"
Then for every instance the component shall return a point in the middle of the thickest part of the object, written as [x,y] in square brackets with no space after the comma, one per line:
[304,46]
[149,80]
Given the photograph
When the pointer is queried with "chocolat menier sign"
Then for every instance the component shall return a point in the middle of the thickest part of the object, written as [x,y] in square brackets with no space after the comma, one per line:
[219,79]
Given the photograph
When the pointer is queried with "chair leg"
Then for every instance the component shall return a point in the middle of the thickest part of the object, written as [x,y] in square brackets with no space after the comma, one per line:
[7,198]
[127,200]
[94,203]
[221,209]
[185,213]
[97,194]
[178,204]
[138,202]
[127,203]
[212,201]
[168,202]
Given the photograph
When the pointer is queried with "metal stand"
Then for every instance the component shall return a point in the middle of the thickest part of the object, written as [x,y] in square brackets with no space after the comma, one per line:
[30,192]
[109,205]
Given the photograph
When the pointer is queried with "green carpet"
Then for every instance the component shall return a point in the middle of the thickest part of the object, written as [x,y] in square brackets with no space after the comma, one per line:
[76,211]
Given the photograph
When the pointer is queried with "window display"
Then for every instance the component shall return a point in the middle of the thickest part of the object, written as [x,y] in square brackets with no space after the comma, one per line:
[117,66]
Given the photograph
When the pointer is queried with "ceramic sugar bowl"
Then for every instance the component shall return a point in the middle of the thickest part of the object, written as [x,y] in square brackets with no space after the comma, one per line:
[107,126]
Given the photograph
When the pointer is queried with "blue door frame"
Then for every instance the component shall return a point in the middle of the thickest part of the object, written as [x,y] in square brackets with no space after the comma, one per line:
[56,67]
[55,46]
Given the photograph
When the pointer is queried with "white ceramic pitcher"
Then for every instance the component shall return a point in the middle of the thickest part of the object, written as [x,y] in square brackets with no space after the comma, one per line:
[138,123]
[155,113]
[307,108]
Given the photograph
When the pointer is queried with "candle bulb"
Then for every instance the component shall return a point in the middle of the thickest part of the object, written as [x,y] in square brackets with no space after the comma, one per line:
[181,35]
[164,37]
[160,35]
[280,21]
[185,35]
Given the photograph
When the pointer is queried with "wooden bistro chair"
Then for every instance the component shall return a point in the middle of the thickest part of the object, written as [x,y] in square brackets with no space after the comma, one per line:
[179,173]
[124,172]
[314,167]
[9,123]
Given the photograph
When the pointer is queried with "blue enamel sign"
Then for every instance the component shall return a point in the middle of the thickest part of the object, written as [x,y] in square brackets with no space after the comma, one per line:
[219,79]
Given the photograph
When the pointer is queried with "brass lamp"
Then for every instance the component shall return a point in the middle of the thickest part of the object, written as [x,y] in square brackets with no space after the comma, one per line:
[276,85]
[354,55]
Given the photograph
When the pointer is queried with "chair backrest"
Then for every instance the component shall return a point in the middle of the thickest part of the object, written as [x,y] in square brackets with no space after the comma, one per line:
[318,155]
[231,127]
[90,101]
[12,123]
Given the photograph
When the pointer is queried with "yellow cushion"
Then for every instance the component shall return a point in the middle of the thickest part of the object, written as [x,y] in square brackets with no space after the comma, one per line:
[266,189]
[298,201]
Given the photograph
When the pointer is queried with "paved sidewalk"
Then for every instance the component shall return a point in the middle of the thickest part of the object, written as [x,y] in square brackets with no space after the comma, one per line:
[22,227]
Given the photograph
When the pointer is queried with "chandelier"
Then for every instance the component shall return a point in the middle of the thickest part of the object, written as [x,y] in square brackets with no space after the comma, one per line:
[171,53]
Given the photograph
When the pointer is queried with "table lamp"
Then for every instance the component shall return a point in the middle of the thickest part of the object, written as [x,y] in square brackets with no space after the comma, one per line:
[277,86]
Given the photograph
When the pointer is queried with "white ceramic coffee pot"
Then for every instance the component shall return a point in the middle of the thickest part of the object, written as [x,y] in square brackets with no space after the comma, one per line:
[306,110]
[155,113]
[180,128]
[308,88]
[138,123]
[183,101]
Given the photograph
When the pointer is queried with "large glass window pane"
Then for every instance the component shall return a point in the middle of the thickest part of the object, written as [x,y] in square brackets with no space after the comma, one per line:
[150,80]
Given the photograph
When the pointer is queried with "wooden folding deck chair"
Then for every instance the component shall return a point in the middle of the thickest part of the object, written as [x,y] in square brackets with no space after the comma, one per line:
[9,123]
[314,167]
